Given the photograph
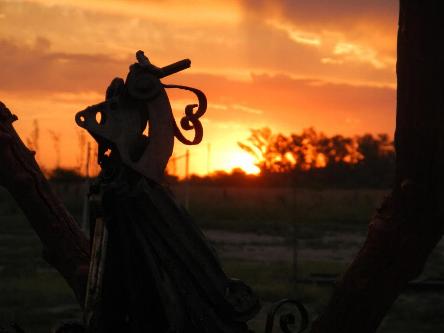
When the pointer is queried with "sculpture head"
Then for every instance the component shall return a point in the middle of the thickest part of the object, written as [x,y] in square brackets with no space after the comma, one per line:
[118,123]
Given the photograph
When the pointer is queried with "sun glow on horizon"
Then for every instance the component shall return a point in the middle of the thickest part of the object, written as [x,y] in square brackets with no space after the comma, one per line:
[240,160]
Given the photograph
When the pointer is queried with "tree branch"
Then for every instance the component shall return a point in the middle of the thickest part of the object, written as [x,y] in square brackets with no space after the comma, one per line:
[410,222]
[65,247]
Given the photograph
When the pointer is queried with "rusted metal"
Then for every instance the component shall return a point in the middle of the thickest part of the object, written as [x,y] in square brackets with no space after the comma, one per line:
[160,274]
[97,269]
[287,318]
[132,105]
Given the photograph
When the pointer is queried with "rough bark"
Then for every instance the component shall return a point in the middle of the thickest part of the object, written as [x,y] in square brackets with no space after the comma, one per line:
[409,223]
[65,247]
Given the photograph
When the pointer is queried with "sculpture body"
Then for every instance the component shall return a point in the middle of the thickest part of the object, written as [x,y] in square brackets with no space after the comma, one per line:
[153,270]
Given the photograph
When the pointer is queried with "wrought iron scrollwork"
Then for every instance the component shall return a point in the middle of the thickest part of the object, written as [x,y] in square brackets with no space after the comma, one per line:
[288,318]
[138,103]
[191,119]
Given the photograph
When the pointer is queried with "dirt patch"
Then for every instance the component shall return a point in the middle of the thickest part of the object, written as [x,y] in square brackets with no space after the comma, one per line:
[331,246]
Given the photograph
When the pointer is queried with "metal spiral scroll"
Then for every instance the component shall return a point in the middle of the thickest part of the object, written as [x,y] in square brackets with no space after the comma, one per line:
[288,318]
[191,119]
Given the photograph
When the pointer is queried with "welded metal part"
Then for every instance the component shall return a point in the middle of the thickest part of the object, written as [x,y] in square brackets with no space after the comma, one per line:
[287,318]
[96,272]
[160,273]
[136,104]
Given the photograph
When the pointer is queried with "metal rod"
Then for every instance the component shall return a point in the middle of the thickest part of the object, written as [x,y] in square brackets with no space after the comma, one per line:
[174,68]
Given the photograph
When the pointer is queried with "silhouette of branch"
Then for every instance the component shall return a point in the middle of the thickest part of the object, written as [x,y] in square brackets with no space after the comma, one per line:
[64,245]
[409,223]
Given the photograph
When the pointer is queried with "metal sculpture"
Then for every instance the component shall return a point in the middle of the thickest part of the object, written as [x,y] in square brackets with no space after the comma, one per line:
[119,122]
[288,318]
[152,269]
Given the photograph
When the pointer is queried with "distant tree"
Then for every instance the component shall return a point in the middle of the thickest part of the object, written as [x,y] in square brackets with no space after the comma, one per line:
[237,177]
[304,149]
[375,148]
[33,140]
[55,136]
[268,149]
[313,158]
[378,159]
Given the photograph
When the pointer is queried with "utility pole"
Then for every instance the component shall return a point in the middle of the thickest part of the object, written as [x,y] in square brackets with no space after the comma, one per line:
[208,158]
[85,212]
[174,164]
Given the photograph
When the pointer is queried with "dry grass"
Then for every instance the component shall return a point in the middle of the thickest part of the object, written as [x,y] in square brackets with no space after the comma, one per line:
[329,224]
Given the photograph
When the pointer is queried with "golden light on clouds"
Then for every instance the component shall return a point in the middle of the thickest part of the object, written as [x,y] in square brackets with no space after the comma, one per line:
[297,36]
[284,64]
[359,53]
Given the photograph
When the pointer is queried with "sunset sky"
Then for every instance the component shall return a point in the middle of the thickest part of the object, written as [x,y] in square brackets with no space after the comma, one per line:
[284,64]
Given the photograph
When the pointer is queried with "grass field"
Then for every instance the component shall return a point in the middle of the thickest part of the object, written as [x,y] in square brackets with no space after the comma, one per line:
[254,231]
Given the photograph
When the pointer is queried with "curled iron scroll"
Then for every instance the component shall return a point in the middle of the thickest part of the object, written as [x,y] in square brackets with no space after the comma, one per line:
[287,318]
[191,119]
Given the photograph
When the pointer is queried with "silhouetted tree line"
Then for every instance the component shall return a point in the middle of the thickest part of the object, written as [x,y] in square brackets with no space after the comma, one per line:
[308,159]
[312,158]
[237,177]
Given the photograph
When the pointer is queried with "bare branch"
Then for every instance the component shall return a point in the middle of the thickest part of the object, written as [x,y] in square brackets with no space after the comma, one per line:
[64,245]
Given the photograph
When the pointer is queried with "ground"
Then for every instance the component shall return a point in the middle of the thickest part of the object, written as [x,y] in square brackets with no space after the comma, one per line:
[267,237]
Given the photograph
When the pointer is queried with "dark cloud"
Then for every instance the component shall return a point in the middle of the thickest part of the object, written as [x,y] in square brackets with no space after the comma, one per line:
[33,68]
[327,13]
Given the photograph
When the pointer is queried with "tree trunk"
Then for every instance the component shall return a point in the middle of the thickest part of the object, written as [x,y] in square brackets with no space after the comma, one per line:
[409,223]
[64,245]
